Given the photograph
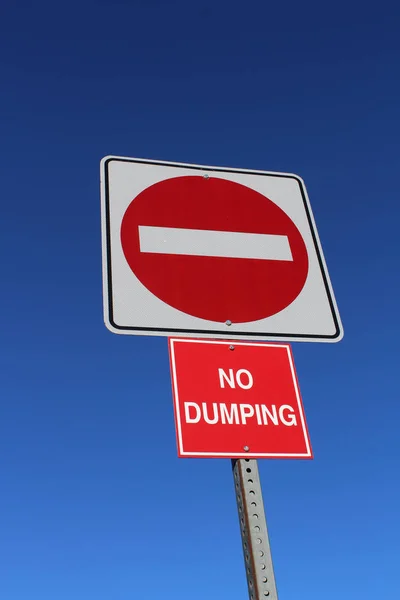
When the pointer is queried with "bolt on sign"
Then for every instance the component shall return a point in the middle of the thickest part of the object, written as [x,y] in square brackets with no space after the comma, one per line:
[237,399]
[212,252]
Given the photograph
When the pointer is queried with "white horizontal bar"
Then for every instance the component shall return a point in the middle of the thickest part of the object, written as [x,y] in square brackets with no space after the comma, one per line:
[203,242]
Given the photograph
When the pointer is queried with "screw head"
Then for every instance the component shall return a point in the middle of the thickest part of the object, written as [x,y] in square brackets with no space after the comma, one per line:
[228,322]
[246,448]
[206,176]
[231,347]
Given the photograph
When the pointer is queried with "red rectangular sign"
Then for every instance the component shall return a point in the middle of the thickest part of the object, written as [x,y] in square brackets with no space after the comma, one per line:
[237,399]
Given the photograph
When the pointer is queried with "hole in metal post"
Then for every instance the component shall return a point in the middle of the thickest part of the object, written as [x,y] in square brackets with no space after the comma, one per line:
[248,470]
[250,481]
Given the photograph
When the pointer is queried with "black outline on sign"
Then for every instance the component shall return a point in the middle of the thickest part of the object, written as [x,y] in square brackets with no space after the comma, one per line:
[225,333]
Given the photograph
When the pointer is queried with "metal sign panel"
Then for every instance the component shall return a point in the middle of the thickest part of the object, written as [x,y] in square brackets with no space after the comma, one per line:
[212,252]
[237,400]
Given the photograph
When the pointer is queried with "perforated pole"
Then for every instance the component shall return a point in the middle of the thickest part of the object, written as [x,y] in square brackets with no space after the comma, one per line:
[253,529]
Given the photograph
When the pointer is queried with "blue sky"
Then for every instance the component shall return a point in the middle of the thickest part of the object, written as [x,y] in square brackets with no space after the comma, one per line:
[94,502]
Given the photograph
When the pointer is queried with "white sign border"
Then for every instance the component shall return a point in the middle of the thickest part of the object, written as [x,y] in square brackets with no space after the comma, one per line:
[181,451]
[202,333]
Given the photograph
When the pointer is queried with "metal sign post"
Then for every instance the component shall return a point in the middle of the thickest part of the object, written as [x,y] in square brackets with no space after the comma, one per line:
[224,254]
[253,529]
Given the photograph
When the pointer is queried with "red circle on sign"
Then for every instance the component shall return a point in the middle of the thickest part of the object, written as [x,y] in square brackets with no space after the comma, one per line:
[214,288]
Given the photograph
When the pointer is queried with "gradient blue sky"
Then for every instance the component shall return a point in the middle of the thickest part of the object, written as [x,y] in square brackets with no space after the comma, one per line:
[94,503]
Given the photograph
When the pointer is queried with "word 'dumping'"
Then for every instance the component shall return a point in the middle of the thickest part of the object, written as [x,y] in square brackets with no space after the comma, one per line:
[239,414]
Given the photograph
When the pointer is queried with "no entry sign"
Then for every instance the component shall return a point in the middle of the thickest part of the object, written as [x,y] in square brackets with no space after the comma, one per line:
[236,399]
[212,252]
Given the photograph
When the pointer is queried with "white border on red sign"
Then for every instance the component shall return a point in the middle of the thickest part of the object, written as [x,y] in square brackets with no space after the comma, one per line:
[234,454]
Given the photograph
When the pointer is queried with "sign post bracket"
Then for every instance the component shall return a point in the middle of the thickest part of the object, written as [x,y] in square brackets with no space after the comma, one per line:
[253,529]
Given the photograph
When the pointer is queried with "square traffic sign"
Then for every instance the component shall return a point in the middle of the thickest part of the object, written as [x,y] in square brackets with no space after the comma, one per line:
[237,399]
[212,252]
